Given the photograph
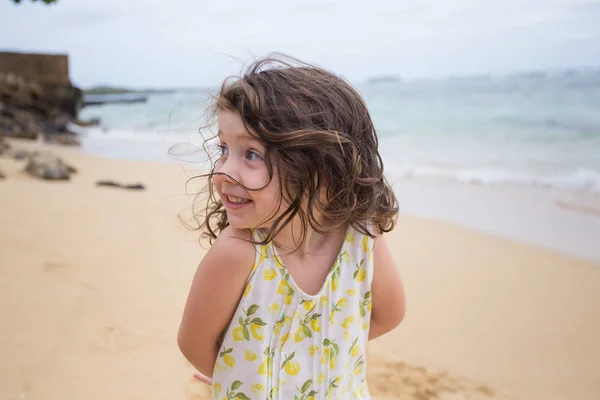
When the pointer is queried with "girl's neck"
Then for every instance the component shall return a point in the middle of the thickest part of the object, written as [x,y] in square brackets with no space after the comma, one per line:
[289,239]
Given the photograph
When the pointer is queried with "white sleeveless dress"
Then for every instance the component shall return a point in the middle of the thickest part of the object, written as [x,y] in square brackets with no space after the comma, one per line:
[285,344]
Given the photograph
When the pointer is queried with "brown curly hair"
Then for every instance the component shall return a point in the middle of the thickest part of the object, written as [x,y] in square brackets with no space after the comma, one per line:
[319,136]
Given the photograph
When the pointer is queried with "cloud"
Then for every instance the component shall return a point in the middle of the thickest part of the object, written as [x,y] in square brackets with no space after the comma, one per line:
[186,42]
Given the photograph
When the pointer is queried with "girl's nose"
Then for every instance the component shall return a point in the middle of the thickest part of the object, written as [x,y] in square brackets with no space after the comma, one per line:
[226,171]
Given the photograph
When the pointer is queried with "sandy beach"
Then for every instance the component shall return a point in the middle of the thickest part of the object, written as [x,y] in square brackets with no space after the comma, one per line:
[93,281]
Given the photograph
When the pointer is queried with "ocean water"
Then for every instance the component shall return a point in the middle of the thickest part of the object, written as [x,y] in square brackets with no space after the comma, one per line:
[536,130]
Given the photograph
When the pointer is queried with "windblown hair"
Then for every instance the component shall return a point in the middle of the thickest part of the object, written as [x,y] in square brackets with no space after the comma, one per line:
[320,139]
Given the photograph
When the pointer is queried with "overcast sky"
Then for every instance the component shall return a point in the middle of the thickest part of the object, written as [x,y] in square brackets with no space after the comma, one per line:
[165,43]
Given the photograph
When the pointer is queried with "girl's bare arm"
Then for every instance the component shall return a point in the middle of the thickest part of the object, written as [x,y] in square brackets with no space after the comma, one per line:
[387,291]
[214,295]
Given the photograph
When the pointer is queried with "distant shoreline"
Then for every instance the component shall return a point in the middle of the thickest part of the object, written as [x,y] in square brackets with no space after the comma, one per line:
[120,90]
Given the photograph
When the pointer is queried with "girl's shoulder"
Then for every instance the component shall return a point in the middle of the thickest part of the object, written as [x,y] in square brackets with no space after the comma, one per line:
[233,248]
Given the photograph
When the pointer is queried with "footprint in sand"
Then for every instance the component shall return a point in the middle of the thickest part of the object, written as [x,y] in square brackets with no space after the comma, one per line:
[197,390]
[116,340]
[65,272]
[401,381]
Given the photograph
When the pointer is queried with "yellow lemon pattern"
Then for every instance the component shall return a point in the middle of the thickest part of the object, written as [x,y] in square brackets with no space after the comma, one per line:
[285,344]
[250,355]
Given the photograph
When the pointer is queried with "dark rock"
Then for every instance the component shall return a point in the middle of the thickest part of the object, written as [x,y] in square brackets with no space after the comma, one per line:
[61,122]
[4,146]
[65,98]
[9,127]
[30,109]
[136,186]
[30,125]
[133,186]
[67,138]
[71,169]
[48,166]
[90,122]
[2,176]
[108,183]
[22,154]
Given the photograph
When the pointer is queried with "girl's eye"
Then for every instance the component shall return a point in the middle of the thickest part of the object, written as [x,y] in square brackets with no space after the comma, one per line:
[254,156]
[223,150]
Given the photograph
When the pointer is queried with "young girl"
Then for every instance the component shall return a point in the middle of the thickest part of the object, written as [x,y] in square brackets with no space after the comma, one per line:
[299,276]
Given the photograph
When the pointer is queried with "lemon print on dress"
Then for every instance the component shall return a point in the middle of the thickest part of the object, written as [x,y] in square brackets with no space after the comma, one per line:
[248,289]
[365,246]
[266,367]
[257,331]
[334,384]
[281,322]
[274,308]
[238,333]
[308,305]
[330,353]
[250,355]
[365,304]
[349,238]
[315,325]
[335,277]
[269,274]
[264,253]
[358,366]
[304,330]
[263,367]
[355,348]
[220,367]
[334,282]
[360,274]
[347,322]
[284,339]
[290,367]
[285,289]
[249,325]
[217,388]
[228,359]
[321,378]
[323,300]
[300,334]
[305,392]
[257,388]
[278,262]
[232,392]
[336,308]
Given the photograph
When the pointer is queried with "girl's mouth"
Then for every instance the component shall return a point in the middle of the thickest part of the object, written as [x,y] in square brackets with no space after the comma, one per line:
[234,202]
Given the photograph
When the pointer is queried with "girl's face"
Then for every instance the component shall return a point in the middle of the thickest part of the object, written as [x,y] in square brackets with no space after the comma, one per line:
[242,159]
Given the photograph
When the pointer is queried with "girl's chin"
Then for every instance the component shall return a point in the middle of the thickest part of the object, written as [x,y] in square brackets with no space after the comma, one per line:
[241,223]
[238,223]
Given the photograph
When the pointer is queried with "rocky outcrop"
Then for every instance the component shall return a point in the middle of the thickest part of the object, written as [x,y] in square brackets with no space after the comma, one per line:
[4,146]
[37,99]
[42,68]
[46,165]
